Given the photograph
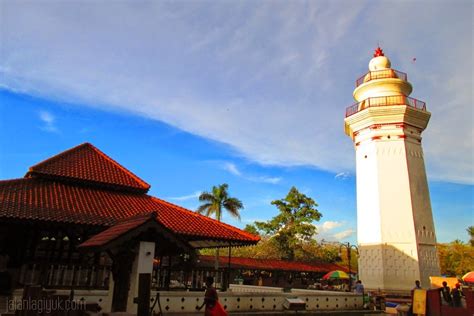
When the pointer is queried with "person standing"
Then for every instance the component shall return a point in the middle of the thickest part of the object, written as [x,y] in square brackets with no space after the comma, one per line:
[359,287]
[446,292]
[211,300]
[417,285]
[457,295]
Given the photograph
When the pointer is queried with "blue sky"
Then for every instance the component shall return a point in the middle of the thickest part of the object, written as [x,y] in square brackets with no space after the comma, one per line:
[192,94]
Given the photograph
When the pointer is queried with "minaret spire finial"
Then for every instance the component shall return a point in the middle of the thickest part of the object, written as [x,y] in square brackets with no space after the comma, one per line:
[378,52]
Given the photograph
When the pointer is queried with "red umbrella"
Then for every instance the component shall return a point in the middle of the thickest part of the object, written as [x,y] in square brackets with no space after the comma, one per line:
[468,277]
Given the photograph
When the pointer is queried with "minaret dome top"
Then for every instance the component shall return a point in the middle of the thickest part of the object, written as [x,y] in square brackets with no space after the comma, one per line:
[379,62]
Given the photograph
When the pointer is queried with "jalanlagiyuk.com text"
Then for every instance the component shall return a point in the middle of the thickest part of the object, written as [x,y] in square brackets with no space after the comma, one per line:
[44,305]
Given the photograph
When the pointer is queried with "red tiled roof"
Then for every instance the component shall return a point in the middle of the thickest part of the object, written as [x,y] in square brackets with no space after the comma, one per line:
[119,229]
[56,201]
[65,189]
[86,163]
[271,264]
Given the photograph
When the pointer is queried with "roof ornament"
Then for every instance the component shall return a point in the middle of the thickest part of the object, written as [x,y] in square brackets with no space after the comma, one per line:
[378,52]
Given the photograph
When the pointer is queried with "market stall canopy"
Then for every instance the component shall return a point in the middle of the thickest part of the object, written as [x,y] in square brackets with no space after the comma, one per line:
[468,277]
[437,281]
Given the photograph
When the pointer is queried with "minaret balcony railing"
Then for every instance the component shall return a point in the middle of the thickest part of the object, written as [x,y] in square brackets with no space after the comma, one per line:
[381,74]
[384,101]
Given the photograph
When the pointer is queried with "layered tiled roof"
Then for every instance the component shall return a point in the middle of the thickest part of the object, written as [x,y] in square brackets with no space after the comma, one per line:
[119,229]
[87,164]
[128,229]
[271,264]
[46,200]
[53,198]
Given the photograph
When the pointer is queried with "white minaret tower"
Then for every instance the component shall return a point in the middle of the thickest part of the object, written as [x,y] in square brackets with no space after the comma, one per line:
[395,230]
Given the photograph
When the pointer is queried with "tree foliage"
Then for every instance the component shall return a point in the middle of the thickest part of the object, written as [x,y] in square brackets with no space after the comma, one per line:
[267,248]
[470,231]
[249,228]
[456,258]
[293,225]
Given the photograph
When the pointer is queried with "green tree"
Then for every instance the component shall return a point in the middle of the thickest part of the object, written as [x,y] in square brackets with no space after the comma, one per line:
[249,228]
[265,249]
[470,231]
[312,251]
[294,224]
[456,258]
[215,202]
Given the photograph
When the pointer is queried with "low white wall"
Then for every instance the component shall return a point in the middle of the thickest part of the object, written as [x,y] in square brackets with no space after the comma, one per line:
[254,289]
[240,298]
[252,299]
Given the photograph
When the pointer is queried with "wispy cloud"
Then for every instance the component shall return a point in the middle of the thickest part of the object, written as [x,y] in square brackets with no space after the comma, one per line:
[192,196]
[328,226]
[328,231]
[344,234]
[233,169]
[342,175]
[272,87]
[48,121]
[265,179]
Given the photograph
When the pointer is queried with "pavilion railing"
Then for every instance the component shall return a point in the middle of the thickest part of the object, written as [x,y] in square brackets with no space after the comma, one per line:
[381,74]
[65,275]
[384,101]
[170,279]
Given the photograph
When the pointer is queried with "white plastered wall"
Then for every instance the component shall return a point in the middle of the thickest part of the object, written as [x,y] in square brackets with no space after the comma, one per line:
[395,226]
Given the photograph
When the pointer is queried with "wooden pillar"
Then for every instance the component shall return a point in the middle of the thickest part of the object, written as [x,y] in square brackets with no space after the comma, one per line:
[160,274]
[121,270]
[227,273]
[168,275]
[143,299]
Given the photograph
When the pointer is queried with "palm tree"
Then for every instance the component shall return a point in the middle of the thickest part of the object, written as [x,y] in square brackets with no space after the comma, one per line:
[470,231]
[215,202]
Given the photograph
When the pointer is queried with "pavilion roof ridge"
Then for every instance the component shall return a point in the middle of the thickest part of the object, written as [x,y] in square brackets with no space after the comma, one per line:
[86,163]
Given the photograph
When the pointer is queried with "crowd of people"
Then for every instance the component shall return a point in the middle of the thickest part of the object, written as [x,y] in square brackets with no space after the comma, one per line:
[452,297]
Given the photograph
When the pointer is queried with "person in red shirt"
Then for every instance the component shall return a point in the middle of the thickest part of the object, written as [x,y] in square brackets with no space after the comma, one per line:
[457,294]
[211,301]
